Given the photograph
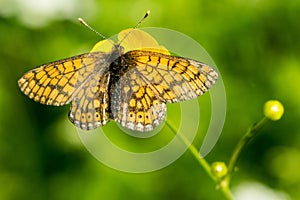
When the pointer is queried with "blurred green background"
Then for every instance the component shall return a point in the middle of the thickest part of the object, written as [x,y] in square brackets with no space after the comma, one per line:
[255,45]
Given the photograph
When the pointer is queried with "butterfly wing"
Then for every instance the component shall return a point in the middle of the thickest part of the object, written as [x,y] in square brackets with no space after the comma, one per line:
[56,83]
[81,79]
[134,104]
[90,106]
[139,98]
[172,78]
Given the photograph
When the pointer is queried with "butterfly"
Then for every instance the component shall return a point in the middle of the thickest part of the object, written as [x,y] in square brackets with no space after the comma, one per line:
[112,82]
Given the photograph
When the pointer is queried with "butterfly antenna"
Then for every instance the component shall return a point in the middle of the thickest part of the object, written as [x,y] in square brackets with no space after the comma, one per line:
[137,25]
[145,16]
[89,27]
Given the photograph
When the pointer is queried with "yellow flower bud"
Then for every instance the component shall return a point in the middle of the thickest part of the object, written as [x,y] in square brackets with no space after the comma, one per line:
[219,169]
[273,110]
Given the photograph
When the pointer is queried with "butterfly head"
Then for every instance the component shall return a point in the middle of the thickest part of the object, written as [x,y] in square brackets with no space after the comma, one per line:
[117,48]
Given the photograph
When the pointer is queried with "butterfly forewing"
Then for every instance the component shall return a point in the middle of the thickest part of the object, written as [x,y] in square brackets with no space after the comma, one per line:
[55,83]
[172,78]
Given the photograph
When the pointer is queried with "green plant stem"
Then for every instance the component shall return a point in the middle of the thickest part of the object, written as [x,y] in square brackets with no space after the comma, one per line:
[203,163]
[250,134]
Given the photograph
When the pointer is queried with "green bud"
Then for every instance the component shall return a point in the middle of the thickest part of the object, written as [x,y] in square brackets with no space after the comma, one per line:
[219,169]
[273,110]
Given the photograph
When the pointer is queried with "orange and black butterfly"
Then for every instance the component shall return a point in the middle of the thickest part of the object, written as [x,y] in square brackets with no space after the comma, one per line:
[131,87]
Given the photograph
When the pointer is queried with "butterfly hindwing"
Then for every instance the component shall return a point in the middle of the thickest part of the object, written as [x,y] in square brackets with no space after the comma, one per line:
[90,106]
[134,104]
